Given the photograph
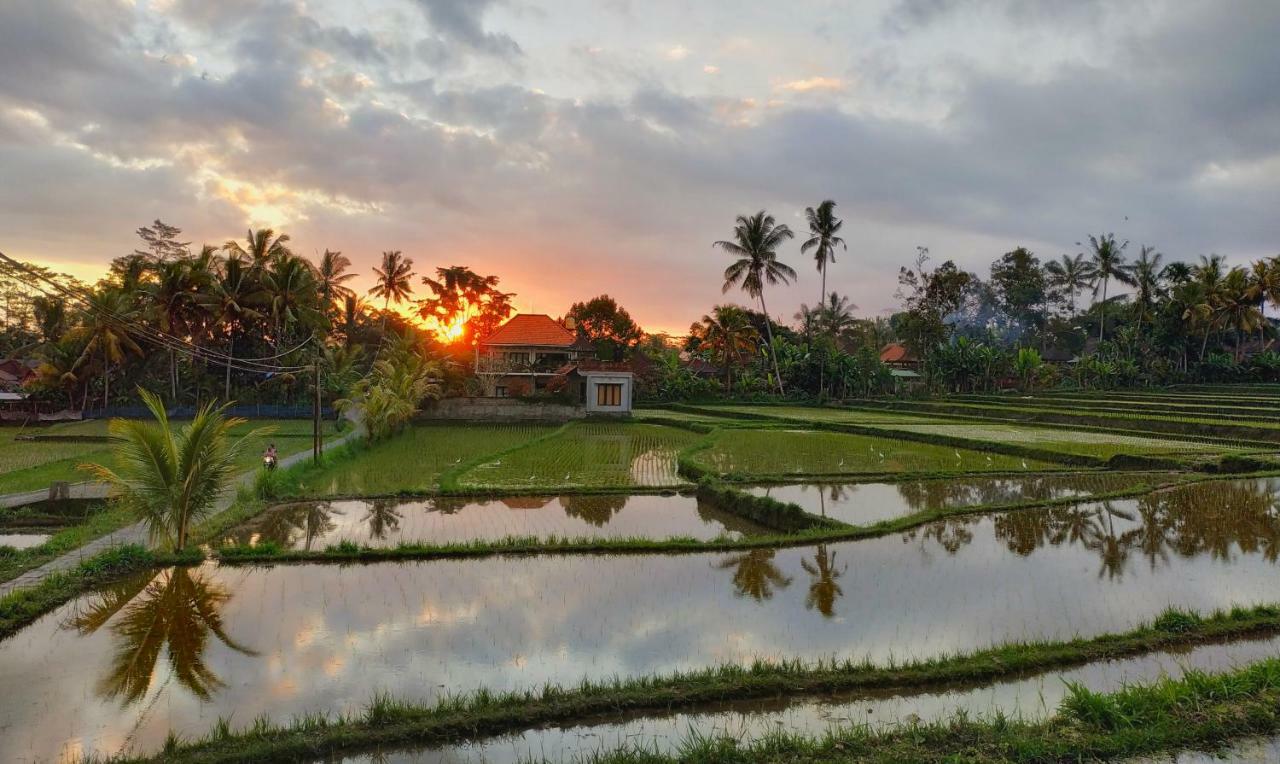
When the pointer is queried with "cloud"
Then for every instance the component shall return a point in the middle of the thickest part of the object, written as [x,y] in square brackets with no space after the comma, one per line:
[814,84]
[677,53]
[711,69]
[459,22]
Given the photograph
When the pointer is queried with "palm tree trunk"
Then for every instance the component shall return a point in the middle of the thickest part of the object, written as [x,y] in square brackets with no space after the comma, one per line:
[106,386]
[173,376]
[1102,311]
[768,330]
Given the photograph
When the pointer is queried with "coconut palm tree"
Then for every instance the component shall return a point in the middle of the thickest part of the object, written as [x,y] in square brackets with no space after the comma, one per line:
[1236,308]
[1147,279]
[171,478]
[823,227]
[755,245]
[1264,287]
[289,284]
[260,246]
[727,333]
[1070,275]
[393,281]
[105,333]
[1108,263]
[331,277]
[235,297]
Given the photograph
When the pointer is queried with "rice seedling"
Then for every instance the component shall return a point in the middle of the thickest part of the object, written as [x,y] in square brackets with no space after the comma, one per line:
[782,453]
[588,455]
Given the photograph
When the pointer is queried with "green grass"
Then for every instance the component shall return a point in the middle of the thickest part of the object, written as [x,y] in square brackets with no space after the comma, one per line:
[744,454]
[1166,706]
[586,456]
[828,414]
[100,521]
[1101,445]
[34,465]
[414,461]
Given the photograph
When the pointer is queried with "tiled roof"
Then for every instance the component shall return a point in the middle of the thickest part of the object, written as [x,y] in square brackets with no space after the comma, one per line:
[531,329]
[896,352]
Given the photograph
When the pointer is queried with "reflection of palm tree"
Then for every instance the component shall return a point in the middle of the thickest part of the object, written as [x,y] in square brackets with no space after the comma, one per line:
[595,510]
[382,517]
[312,519]
[176,611]
[823,589]
[755,574]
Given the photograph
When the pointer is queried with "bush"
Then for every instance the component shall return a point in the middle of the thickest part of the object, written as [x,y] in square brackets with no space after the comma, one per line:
[1174,621]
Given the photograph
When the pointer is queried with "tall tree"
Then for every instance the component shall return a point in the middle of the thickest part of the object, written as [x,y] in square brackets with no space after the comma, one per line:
[607,325]
[823,239]
[1020,286]
[260,246]
[1070,276]
[1108,264]
[1147,280]
[237,295]
[755,243]
[726,333]
[464,304]
[392,283]
[104,330]
[1264,287]
[331,278]
[161,242]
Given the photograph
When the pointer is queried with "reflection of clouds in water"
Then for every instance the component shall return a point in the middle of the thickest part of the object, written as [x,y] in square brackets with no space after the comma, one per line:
[519,622]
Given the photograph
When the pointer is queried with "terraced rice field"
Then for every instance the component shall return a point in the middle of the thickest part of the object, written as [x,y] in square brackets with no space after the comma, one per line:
[870,503]
[414,461]
[589,455]
[1082,443]
[448,520]
[28,465]
[822,414]
[744,453]
[294,639]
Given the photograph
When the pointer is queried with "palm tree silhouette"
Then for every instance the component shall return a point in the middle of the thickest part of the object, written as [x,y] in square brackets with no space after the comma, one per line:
[1108,263]
[754,574]
[823,589]
[756,241]
[823,227]
[175,613]
[393,281]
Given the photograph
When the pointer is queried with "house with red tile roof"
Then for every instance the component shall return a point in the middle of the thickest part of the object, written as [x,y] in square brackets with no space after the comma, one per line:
[896,355]
[534,353]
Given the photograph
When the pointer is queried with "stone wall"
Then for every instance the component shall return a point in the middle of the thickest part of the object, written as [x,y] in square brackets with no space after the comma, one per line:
[500,410]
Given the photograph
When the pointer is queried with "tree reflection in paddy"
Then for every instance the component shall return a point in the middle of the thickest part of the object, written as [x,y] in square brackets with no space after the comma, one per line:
[754,573]
[1212,518]
[823,589]
[175,611]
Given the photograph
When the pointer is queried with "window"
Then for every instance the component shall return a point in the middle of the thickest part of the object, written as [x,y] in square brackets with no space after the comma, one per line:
[500,391]
[609,394]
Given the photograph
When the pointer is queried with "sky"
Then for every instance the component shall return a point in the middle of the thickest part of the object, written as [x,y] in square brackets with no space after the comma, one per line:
[580,147]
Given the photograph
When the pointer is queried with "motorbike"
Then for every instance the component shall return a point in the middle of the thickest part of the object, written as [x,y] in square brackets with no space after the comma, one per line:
[269,463]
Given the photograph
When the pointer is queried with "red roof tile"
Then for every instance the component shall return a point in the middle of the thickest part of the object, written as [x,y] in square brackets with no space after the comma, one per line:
[896,352]
[531,329]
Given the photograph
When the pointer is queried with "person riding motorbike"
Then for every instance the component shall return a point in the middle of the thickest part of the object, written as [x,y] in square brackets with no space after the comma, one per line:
[269,457]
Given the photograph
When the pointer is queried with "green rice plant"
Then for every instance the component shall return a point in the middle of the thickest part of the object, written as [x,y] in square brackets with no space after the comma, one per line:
[587,455]
[415,460]
[743,454]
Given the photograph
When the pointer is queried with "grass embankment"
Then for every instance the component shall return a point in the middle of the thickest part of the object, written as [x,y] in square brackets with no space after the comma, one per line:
[104,518]
[1133,720]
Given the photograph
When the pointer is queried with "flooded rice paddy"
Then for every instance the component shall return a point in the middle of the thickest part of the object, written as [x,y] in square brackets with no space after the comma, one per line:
[23,540]
[1028,698]
[870,503]
[184,647]
[390,522]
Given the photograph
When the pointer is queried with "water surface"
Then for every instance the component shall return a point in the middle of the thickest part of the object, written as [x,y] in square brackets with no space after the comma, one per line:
[23,540]
[183,647]
[389,522]
[1030,698]
[870,503]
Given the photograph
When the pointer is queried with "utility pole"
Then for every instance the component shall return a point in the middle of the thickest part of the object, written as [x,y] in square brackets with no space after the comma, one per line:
[317,443]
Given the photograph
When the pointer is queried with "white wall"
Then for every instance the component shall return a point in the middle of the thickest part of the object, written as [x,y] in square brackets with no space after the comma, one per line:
[610,378]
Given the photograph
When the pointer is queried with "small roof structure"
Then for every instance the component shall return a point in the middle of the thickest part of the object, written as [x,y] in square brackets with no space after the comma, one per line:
[903,374]
[531,330]
[896,352]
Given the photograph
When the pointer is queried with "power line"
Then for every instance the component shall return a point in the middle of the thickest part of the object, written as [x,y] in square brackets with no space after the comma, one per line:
[164,339]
